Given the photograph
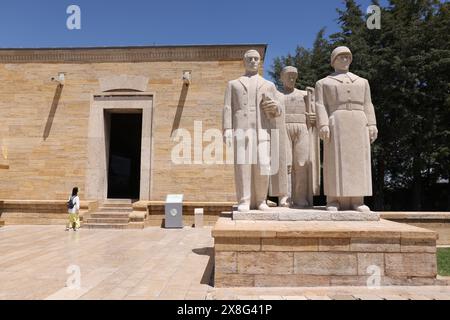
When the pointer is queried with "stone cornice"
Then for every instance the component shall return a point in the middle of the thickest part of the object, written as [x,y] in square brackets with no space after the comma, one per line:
[129,54]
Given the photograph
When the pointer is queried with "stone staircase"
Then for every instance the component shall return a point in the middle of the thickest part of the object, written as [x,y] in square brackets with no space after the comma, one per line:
[112,214]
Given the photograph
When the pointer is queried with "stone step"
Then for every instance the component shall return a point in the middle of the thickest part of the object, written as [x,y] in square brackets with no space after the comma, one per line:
[109,215]
[136,225]
[118,201]
[108,220]
[105,226]
[116,205]
[115,209]
[35,221]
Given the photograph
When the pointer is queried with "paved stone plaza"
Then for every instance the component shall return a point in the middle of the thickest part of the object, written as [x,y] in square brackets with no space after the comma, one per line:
[150,264]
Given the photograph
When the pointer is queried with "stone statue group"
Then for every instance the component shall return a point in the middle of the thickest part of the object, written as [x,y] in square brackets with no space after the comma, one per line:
[275,136]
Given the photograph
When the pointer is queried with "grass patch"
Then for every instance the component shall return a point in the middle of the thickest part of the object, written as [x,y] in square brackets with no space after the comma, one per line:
[443,257]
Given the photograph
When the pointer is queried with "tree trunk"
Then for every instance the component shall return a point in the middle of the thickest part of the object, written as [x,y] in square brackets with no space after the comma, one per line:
[379,183]
[417,185]
[448,197]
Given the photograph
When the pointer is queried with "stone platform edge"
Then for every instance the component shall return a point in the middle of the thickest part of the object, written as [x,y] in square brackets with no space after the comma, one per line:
[41,212]
[228,228]
[316,214]
[321,254]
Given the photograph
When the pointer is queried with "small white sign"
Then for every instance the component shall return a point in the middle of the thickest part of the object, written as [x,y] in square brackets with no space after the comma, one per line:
[174,198]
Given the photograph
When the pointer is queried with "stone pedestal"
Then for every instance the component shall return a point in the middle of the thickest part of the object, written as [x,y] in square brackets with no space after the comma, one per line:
[315,214]
[322,253]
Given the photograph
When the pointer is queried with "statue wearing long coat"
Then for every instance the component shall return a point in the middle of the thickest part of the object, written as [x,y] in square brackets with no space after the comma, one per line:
[343,102]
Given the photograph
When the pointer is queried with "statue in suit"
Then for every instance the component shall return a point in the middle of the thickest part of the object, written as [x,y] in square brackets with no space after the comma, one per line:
[251,107]
[347,125]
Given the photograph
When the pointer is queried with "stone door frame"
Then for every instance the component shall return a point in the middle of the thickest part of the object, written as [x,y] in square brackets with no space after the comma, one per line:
[103,104]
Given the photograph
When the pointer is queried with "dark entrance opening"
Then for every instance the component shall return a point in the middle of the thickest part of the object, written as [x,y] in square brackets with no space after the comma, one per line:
[124,169]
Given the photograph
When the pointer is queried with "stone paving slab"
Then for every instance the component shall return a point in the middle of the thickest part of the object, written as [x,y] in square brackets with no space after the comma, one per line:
[147,264]
[132,264]
[335,293]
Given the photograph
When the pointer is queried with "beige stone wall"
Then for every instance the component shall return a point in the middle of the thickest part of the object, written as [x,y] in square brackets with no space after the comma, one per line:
[46,140]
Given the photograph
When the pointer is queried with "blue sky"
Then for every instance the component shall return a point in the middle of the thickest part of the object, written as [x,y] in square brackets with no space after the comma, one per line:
[281,24]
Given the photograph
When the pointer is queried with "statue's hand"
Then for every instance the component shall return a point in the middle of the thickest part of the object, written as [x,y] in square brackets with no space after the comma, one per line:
[373,133]
[228,137]
[289,169]
[269,107]
[325,133]
[312,119]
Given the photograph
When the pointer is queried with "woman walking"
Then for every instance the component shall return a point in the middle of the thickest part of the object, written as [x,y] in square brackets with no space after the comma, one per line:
[73,206]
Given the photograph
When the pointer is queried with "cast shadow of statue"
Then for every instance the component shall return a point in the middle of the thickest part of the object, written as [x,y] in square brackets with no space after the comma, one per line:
[51,115]
[180,107]
[1,211]
[208,275]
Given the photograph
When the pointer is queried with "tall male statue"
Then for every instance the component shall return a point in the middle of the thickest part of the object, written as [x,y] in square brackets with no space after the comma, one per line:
[302,142]
[347,124]
[249,114]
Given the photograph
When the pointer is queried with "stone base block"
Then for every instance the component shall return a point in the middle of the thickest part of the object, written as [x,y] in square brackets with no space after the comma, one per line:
[315,214]
[322,253]
[436,221]
[40,212]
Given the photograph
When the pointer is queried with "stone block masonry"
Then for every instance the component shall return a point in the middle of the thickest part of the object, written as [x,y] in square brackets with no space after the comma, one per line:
[322,253]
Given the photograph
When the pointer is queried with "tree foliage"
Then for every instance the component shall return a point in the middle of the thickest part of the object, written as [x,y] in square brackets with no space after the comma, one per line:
[407,63]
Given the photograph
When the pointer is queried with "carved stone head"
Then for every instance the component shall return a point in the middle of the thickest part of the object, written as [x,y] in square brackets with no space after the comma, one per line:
[252,60]
[289,76]
[341,59]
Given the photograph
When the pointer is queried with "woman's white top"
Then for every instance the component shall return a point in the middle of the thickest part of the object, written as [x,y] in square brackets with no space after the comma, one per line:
[76,207]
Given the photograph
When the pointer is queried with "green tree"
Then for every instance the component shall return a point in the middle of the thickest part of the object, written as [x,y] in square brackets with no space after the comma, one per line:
[407,63]
[312,64]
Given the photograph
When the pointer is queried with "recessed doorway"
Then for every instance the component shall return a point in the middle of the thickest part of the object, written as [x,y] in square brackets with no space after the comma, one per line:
[124,163]
[101,130]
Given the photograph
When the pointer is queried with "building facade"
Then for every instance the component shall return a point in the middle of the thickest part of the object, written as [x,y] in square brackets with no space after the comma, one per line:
[107,122]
